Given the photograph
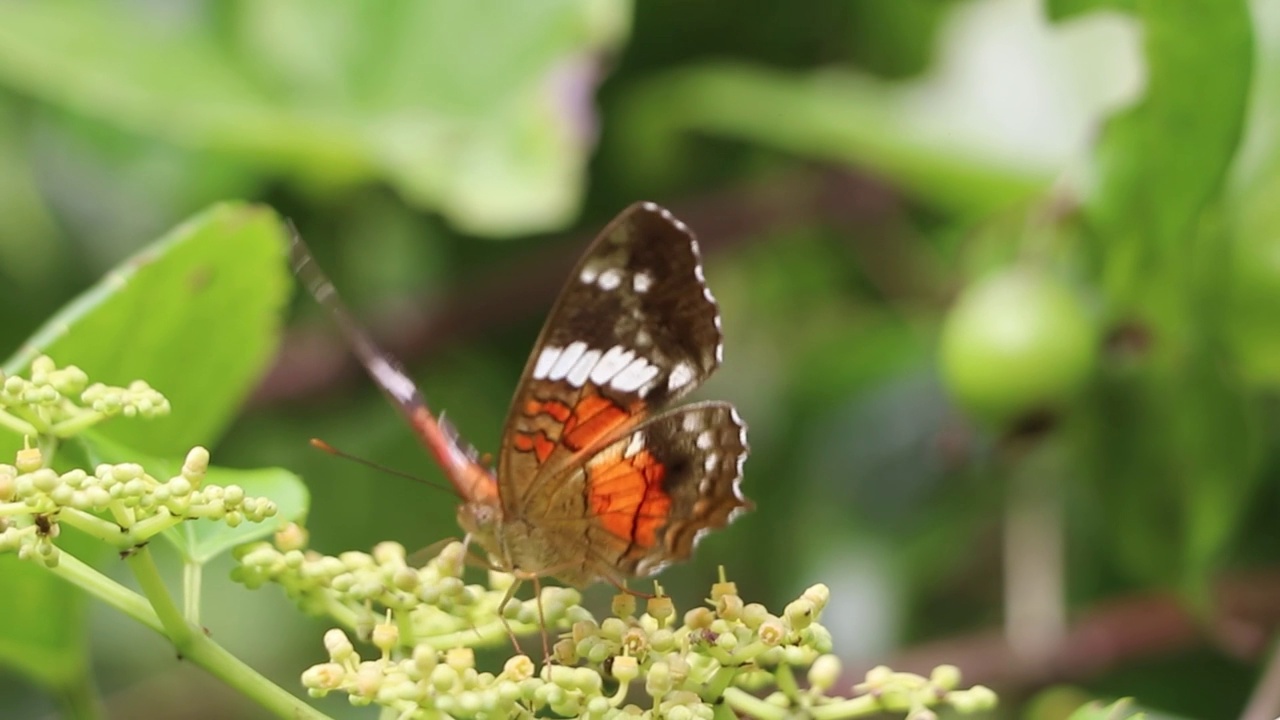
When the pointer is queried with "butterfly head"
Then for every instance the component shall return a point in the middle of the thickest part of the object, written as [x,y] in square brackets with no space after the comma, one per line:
[482,520]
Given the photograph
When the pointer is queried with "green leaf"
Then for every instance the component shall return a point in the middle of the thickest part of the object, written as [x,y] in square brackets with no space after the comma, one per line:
[1119,710]
[43,634]
[1160,162]
[1063,9]
[197,315]
[829,116]
[481,109]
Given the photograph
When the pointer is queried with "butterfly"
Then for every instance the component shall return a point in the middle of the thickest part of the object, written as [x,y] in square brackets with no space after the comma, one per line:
[597,478]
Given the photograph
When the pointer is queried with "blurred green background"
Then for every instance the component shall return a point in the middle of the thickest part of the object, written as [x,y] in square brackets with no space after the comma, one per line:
[1066,483]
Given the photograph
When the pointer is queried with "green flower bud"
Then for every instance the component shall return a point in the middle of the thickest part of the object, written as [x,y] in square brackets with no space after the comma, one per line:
[597,707]
[975,699]
[699,618]
[799,613]
[291,537]
[326,676]
[661,608]
[662,640]
[389,553]
[598,653]
[368,680]
[425,659]
[232,495]
[582,630]
[613,628]
[723,588]
[624,605]
[386,636]
[625,668]
[460,658]
[945,677]
[819,595]
[338,645]
[444,678]
[586,680]
[754,615]
[518,668]
[729,606]
[824,672]
[772,632]
[727,641]
[658,682]
[29,460]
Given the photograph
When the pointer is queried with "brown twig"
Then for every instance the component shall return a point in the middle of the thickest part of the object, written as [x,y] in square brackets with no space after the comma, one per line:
[1246,610]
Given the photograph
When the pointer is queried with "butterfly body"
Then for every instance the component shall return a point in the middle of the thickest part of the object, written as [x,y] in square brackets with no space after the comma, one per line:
[597,478]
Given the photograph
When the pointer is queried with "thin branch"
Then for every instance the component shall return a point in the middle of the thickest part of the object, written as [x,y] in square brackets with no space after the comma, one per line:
[1245,613]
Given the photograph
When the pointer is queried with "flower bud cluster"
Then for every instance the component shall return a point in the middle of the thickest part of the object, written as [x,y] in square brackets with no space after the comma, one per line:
[61,401]
[432,604]
[121,504]
[647,659]
[916,695]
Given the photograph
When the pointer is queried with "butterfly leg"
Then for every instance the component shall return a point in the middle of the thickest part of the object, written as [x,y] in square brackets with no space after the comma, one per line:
[511,593]
[542,620]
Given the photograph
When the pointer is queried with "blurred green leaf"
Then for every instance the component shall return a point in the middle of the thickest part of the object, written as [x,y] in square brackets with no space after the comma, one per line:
[1176,456]
[197,315]
[1158,163]
[1063,9]
[482,109]
[1118,710]
[28,248]
[43,635]
[828,116]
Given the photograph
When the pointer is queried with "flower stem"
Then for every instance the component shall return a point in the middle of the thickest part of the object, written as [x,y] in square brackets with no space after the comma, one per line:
[192,574]
[752,706]
[76,572]
[853,707]
[16,424]
[193,644]
[77,423]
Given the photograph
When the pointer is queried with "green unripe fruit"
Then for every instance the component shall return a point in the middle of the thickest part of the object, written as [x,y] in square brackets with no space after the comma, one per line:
[1016,342]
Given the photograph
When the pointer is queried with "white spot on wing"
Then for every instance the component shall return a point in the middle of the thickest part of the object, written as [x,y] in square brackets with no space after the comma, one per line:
[635,446]
[709,464]
[643,338]
[704,441]
[635,374]
[577,376]
[545,360]
[609,279]
[691,423]
[680,376]
[641,282]
[588,274]
[614,359]
[567,358]
[393,380]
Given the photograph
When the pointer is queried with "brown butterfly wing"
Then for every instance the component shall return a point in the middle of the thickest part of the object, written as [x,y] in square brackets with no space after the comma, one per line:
[634,328]
[653,494]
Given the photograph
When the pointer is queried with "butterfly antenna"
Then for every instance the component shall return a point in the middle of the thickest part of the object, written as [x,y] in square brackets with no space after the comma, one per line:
[319,444]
